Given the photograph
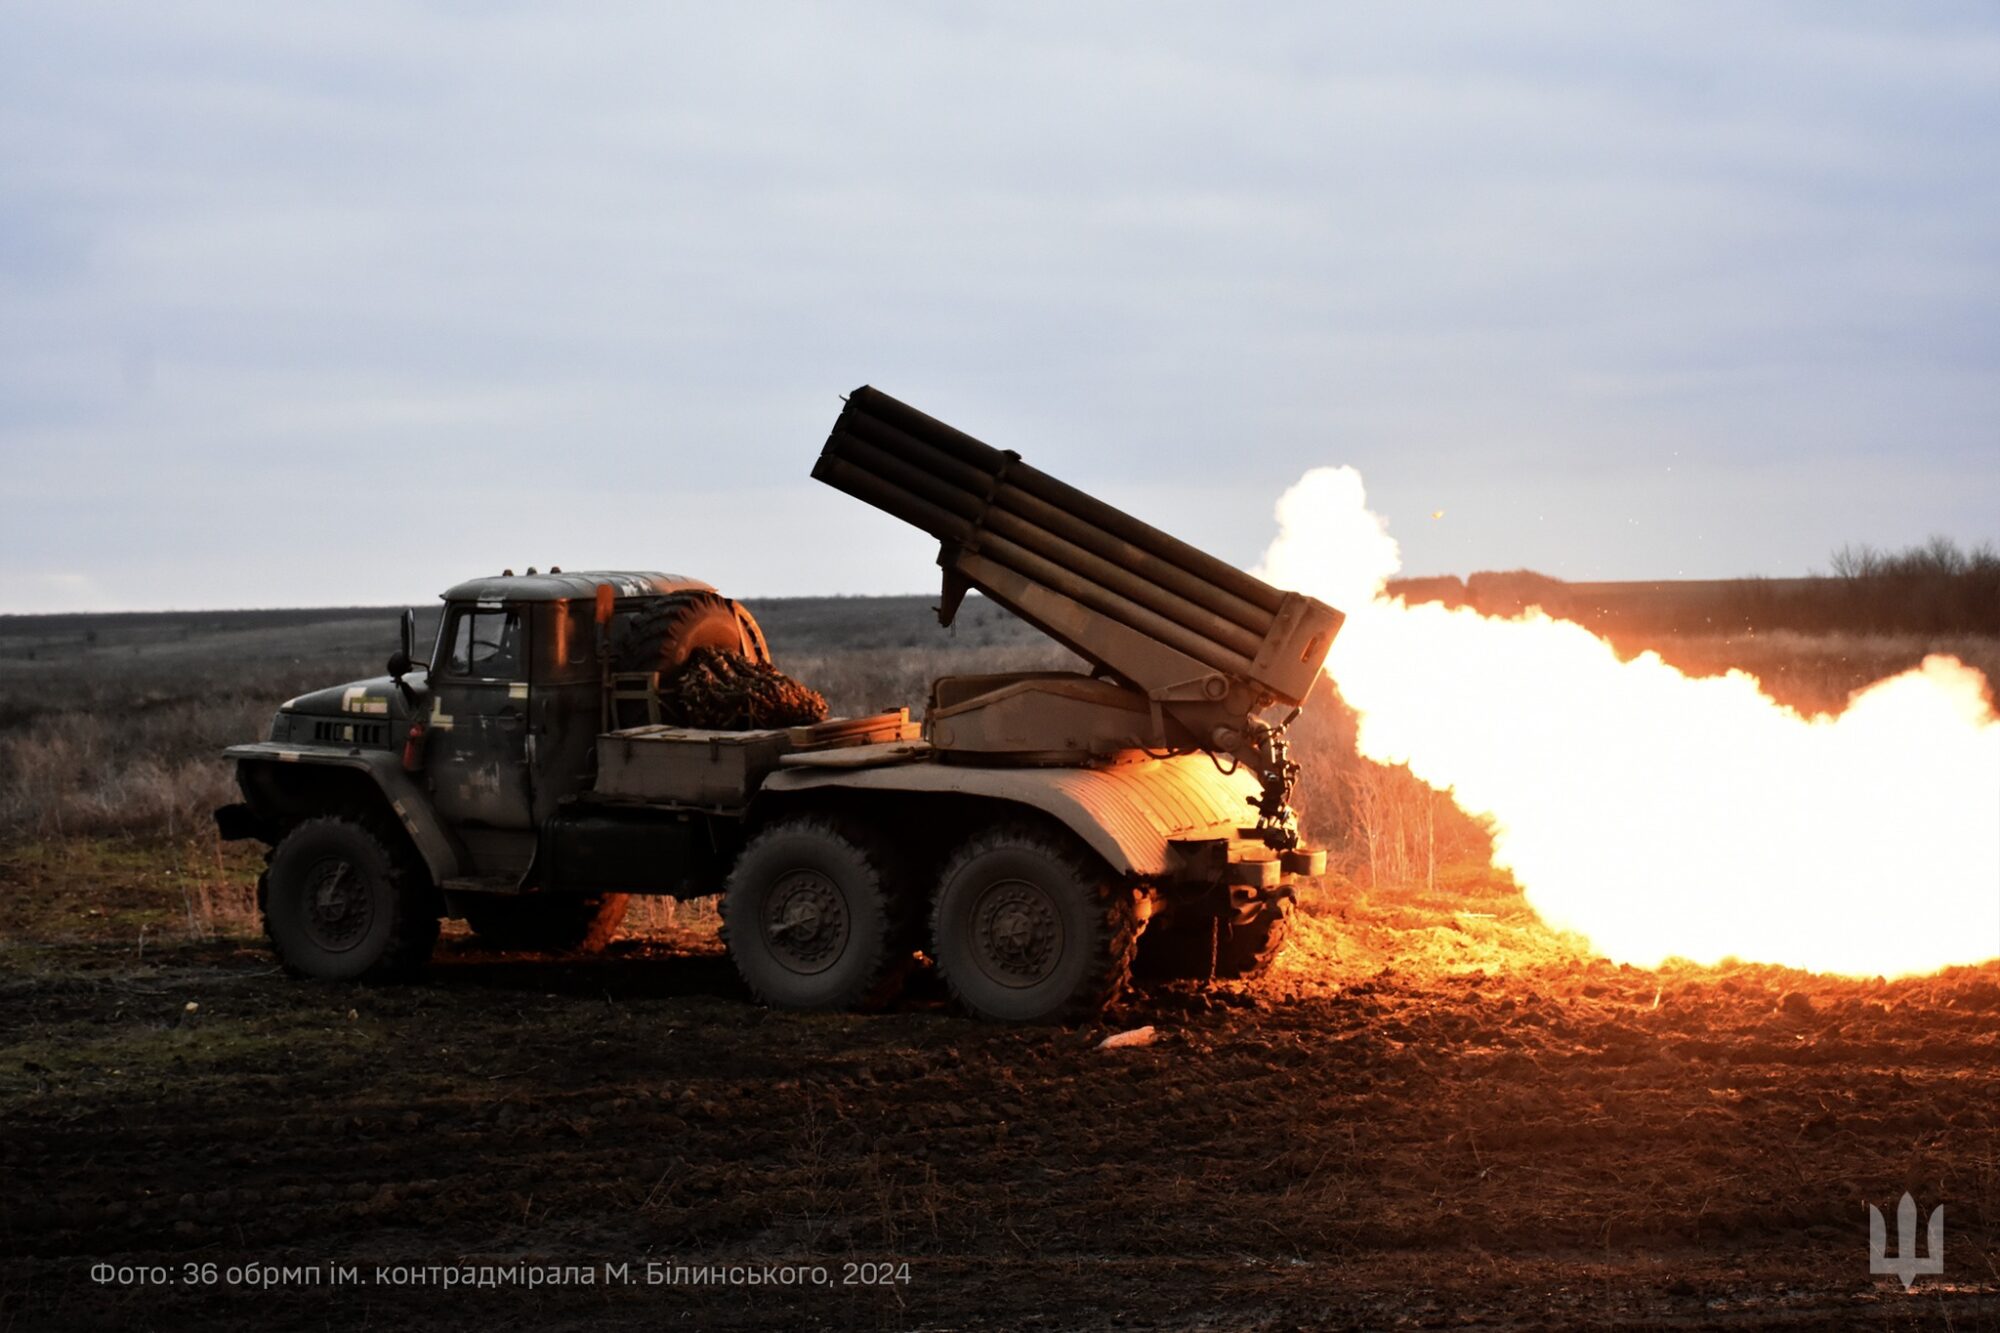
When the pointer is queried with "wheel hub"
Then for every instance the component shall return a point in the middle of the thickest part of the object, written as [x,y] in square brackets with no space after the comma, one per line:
[339,906]
[805,922]
[1017,932]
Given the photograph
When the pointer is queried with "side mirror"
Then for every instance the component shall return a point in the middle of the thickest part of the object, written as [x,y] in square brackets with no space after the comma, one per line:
[402,661]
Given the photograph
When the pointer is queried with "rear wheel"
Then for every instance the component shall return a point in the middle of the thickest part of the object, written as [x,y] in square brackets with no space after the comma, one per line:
[559,923]
[815,918]
[1248,950]
[1028,928]
[1176,946]
[344,901]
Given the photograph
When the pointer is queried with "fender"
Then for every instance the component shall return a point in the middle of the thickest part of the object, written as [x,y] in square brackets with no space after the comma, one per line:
[1127,813]
[384,768]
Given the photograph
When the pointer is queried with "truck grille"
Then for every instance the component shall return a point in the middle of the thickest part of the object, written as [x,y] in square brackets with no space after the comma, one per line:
[348,733]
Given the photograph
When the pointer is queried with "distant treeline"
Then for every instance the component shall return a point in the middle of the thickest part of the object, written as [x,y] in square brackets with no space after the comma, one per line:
[1936,588]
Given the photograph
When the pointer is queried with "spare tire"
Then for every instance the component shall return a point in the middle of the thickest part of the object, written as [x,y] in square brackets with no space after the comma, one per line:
[661,636]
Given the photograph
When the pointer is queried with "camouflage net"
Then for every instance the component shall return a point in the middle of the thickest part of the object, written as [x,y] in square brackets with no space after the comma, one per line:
[726,691]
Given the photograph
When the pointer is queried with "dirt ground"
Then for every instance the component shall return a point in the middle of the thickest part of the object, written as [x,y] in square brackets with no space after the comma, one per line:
[1429,1116]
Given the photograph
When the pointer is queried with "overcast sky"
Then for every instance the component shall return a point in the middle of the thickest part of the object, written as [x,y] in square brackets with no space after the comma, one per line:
[342,303]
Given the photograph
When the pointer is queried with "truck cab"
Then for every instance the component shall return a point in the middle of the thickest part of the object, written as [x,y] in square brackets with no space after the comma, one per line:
[456,761]
[515,687]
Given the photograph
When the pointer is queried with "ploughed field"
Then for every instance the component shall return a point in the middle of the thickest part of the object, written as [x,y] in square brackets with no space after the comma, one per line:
[1435,1112]
[1428,1115]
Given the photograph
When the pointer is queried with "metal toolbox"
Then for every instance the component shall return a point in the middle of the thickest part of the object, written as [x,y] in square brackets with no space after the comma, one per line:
[721,769]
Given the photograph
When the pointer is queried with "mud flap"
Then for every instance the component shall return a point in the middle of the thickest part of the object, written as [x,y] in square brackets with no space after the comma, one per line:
[236,823]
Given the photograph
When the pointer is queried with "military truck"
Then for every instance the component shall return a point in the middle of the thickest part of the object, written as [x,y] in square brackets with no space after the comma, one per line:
[1035,836]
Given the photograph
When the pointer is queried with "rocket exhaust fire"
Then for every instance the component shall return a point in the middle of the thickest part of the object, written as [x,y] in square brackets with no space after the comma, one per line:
[1662,815]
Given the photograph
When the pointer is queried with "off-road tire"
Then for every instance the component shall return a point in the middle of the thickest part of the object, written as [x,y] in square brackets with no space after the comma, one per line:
[1246,951]
[817,915]
[546,923]
[346,900]
[661,637]
[1029,927]
[1176,946]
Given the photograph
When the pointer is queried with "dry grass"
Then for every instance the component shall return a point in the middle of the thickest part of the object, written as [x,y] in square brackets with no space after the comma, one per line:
[114,724]
[1814,673]
[67,777]
[666,917]
[138,892]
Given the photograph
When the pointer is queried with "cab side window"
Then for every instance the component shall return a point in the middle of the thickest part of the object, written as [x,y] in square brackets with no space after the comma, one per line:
[486,644]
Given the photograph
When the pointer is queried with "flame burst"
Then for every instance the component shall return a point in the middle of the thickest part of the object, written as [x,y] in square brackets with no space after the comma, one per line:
[1662,815]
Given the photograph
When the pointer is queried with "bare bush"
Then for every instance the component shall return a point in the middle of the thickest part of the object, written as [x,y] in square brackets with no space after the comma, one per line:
[1382,826]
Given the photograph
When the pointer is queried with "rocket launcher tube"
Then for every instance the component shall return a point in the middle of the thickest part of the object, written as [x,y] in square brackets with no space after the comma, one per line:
[869,402]
[1012,511]
[1069,563]
[1030,543]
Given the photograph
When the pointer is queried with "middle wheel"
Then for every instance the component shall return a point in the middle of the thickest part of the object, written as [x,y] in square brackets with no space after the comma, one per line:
[1029,929]
[813,915]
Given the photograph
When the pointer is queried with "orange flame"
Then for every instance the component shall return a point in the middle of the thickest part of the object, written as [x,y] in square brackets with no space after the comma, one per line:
[1661,815]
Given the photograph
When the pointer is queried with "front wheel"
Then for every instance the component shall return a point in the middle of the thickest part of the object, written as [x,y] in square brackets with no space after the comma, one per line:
[345,902]
[1029,929]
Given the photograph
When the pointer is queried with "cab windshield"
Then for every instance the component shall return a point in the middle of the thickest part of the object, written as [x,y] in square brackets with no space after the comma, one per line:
[485,644]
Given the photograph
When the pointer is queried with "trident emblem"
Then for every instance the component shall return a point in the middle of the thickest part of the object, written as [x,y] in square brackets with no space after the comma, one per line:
[1905,1265]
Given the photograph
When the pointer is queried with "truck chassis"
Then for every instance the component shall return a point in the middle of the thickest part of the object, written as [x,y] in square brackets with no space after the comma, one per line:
[1036,836]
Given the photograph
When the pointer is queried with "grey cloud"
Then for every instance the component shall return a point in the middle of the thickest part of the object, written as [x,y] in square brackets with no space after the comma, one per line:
[1627,290]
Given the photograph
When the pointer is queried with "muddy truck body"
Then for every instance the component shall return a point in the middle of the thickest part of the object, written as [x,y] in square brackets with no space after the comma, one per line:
[1036,835]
